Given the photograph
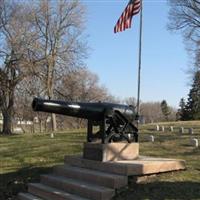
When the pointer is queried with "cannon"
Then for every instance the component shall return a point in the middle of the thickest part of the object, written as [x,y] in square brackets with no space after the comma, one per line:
[115,121]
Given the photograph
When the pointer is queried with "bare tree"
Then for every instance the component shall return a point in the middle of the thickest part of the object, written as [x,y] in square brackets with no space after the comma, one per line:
[43,38]
[14,54]
[24,93]
[184,16]
[130,101]
[60,45]
[81,85]
[152,112]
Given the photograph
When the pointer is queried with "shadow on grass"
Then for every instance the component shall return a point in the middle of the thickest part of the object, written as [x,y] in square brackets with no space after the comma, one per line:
[162,191]
[13,183]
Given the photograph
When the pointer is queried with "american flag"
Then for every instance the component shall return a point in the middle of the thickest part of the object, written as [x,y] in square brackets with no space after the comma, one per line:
[125,19]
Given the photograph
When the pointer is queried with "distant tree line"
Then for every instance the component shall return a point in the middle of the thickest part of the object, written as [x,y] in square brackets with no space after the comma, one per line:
[152,112]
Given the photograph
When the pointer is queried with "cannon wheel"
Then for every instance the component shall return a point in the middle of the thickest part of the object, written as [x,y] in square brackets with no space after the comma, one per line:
[115,133]
[117,137]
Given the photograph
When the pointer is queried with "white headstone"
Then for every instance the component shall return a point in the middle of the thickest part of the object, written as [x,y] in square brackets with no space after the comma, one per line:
[181,130]
[171,128]
[157,128]
[191,131]
[18,130]
[194,142]
[163,129]
[52,135]
[151,138]
[129,136]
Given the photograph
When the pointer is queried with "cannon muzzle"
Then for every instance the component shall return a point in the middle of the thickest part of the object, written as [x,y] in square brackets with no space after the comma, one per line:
[73,109]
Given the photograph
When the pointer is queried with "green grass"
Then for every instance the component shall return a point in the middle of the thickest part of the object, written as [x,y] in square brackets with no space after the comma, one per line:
[175,185]
[24,157]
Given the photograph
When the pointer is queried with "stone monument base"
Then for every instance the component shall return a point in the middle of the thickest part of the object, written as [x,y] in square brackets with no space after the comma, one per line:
[111,151]
[141,166]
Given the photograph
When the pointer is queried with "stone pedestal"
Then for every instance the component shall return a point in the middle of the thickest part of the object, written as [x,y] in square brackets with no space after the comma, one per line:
[111,151]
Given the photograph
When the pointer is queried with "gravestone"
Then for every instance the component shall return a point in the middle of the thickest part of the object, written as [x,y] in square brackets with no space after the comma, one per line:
[163,129]
[157,128]
[181,130]
[171,128]
[129,136]
[151,138]
[191,131]
[18,130]
[194,142]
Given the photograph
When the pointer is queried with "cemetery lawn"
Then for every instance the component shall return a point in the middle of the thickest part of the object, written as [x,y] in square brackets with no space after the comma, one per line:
[24,157]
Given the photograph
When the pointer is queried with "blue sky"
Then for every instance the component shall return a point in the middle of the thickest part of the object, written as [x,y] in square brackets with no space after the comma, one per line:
[114,57]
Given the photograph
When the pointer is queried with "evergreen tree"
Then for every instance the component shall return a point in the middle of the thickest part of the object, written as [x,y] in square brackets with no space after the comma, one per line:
[165,109]
[193,103]
[182,112]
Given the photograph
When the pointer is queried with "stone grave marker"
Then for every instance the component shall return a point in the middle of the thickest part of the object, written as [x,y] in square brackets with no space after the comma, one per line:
[191,131]
[181,130]
[194,142]
[151,138]
[52,135]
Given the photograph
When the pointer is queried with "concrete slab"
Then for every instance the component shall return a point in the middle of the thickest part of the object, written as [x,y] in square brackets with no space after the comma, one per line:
[139,167]
[149,165]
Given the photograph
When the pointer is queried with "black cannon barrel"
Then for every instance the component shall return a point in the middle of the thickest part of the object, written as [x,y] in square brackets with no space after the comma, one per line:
[94,111]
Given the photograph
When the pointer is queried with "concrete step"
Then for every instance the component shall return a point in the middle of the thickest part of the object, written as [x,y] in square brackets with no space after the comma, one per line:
[50,193]
[139,167]
[92,176]
[27,196]
[108,167]
[81,188]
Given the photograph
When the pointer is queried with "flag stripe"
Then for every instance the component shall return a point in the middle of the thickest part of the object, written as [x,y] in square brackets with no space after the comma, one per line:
[125,19]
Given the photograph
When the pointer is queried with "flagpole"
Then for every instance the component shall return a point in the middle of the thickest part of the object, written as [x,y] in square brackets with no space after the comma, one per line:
[139,61]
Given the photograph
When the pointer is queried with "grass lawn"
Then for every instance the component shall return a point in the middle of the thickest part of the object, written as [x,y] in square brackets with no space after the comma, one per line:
[24,157]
